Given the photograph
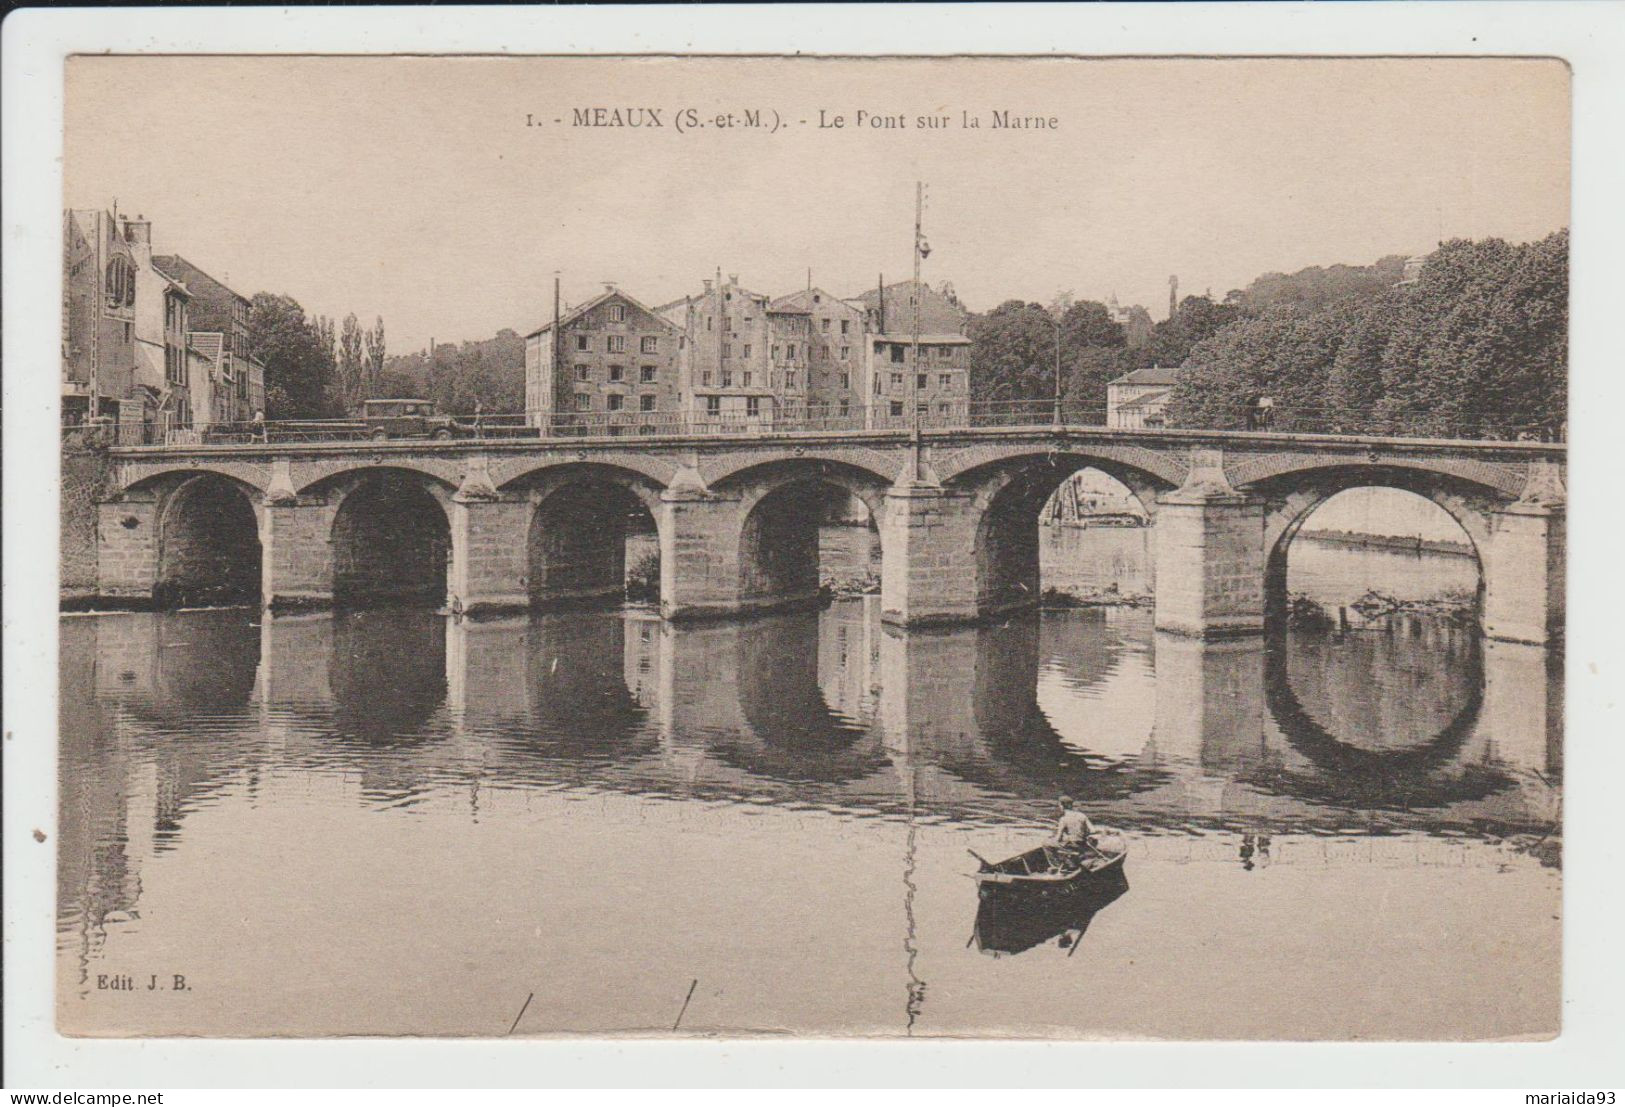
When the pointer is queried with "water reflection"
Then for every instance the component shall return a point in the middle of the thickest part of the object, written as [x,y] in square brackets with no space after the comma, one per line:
[833,707]
[1006,925]
[768,746]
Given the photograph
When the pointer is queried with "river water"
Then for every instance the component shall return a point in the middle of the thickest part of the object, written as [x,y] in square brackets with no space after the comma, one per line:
[396,822]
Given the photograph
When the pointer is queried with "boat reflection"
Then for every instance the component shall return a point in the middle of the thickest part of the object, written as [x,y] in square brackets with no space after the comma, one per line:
[1008,925]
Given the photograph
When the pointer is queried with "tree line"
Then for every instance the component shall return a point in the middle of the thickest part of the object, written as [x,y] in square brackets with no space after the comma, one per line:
[1474,344]
[314,369]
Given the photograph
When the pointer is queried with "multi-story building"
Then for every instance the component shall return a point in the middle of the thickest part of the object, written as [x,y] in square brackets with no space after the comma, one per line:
[99,296]
[729,356]
[608,363]
[939,384]
[162,368]
[1140,399]
[237,388]
[729,371]
[822,350]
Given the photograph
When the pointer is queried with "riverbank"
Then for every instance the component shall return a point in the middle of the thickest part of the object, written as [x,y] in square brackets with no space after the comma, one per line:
[1406,543]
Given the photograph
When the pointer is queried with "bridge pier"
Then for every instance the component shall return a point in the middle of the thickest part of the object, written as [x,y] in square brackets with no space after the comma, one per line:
[928,556]
[488,554]
[1524,564]
[127,546]
[1210,555]
[699,552]
[296,552]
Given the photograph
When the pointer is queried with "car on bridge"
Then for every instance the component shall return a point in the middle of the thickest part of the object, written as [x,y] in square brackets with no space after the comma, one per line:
[409,418]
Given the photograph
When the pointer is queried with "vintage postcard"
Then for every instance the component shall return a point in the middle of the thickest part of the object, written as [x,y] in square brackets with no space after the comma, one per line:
[1064,548]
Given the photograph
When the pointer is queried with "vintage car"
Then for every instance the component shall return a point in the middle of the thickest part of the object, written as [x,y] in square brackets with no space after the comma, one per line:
[407,419]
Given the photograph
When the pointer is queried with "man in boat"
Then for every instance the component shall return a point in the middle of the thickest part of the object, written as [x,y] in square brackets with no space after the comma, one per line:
[1074,833]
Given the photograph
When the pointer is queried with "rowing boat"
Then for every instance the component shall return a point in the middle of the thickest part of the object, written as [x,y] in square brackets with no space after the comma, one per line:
[1035,872]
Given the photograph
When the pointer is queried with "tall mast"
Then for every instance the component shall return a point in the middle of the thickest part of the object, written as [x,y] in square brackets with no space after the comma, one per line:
[914,391]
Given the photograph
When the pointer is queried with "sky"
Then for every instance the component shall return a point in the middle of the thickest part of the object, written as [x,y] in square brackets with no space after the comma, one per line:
[440,193]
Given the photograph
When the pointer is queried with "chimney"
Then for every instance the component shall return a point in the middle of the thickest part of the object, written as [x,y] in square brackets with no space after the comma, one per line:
[733,278]
[708,284]
[609,286]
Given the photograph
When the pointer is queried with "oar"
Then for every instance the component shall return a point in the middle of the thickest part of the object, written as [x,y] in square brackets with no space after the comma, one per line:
[980,859]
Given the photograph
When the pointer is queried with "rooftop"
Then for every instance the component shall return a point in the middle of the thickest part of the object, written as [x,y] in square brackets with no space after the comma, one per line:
[1156,374]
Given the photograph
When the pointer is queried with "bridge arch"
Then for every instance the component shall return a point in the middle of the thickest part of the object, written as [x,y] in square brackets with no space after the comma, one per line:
[1006,496]
[582,522]
[208,542]
[781,510]
[391,537]
[1292,499]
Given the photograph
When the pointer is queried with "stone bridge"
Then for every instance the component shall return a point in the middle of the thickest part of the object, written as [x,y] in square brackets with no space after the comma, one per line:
[502,525]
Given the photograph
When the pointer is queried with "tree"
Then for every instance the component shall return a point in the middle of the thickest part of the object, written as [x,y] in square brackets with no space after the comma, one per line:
[297,366]
[1476,346]
[374,361]
[350,384]
[1014,356]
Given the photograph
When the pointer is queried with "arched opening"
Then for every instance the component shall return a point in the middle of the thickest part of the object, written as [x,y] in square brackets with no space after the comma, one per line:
[208,546]
[1360,555]
[1066,529]
[391,544]
[804,541]
[592,540]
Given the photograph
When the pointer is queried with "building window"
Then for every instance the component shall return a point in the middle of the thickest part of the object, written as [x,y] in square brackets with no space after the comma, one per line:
[846,353]
[753,406]
[945,352]
[877,384]
[846,326]
[897,407]
[581,342]
[713,405]
[120,282]
[775,353]
[846,380]
[845,408]
[617,313]
[583,401]
[946,380]
[617,372]
[825,323]
[650,344]
[727,349]
[790,352]
[615,343]
[727,378]
[646,403]
[897,354]
[747,349]
[745,378]
[919,380]
[614,401]
[682,342]
[942,409]
[708,322]
[823,353]
[790,378]
[583,373]
[897,380]
[647,374]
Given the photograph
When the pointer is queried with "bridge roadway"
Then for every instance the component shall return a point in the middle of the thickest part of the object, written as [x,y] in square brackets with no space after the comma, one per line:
[504,524]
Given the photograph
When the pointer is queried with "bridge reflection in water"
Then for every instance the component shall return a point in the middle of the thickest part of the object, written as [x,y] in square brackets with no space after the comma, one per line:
[1422,721]
[171,721]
